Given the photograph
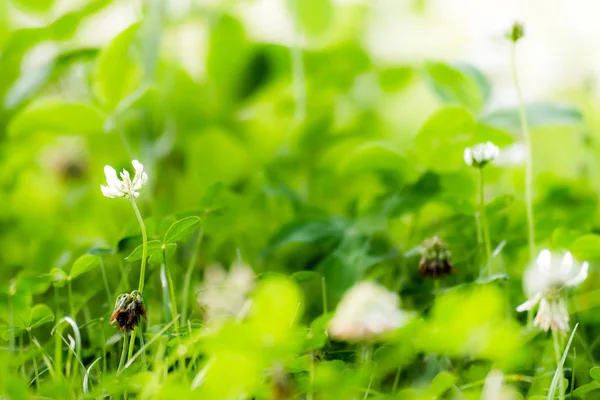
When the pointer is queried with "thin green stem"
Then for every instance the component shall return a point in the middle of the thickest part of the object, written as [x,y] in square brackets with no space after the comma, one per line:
[558,355]
[35,364]
[484,223]
[436,287]
[529,152]
[324,294]
[70,290]
[172,297]
[11,322]
[144,245]
[123,352]
[188,274]
[132,343]
[396,380]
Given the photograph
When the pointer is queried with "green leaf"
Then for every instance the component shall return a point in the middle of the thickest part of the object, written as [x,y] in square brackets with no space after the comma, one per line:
[444,136]
[83,264]
[442,383]
[454,86]
[583,390]
[209,200]
[313,16]
[117,73]
[154,250]
[181,229]
[40,315]
[395,79]
[375,156]
[305,276]
[595,374]
[58,276]
[57,116]
[586,247]
[538,115]
[307,231]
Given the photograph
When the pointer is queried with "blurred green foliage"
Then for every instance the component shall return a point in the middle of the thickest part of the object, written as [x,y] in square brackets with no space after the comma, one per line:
[313,162]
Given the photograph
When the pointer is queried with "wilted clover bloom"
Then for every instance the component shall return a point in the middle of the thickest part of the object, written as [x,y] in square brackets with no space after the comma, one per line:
[367,311]
[225,294]
[481,154]
[124,187]
[129,309]
[544,283]
[436,259]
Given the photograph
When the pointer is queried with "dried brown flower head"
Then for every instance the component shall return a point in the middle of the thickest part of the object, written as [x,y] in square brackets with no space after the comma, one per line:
[436,259]
[129,308]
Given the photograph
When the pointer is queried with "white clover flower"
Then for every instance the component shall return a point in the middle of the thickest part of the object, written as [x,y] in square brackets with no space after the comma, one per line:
[544,281]
[481,154]
[225,294]
[124,187]
[366,311]
[495,388]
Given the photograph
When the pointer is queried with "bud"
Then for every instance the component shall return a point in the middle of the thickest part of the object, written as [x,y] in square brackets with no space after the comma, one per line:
[129,308]
[517,31]
[436,259]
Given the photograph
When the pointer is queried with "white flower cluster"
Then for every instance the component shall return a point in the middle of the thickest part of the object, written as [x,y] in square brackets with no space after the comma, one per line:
[124,187]
[544,281]
[225,294]
[366,311]
[481,154]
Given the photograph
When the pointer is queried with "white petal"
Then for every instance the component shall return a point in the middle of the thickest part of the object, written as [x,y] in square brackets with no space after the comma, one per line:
[529,304]
[111,176]
[544,260]
[581,275]
[110,192]
[468,157]
[567,263]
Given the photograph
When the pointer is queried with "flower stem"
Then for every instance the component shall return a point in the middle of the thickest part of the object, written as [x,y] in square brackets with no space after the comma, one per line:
[188,275]
[35,364]
[172,297]
[529,152]
[123,352]
[558,355]
[144,245]
[142,268]
[484,224]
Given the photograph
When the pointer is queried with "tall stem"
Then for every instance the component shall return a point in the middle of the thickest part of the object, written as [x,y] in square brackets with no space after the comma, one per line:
[484,224]
[188,275]
[558,355]
[172,297]
[123,352]
[144,245]
[35,364]
[142,268]
[529,152]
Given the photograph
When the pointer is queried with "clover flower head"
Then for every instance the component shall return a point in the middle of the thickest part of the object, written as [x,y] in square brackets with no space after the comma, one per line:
[225,293]
[435,259]
[544,282]
[124,187]
[129,309]
[367,311]
[481,154]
